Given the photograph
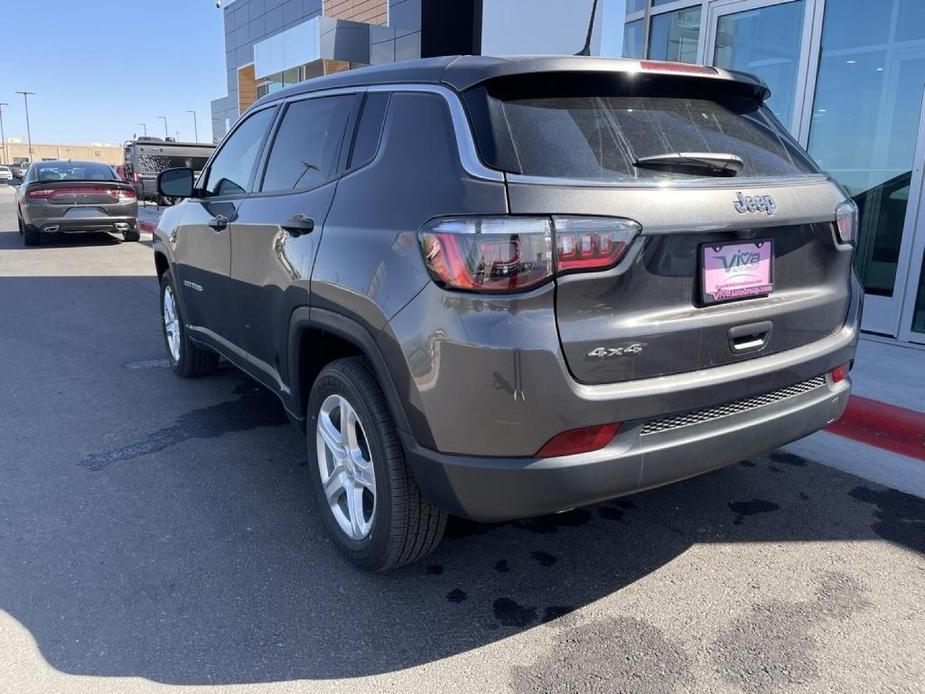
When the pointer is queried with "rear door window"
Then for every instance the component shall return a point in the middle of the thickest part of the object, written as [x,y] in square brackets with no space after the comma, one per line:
[369,129]
[307,147]
[598,133]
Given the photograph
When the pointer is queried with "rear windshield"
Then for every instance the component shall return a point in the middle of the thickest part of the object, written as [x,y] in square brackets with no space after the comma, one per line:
[74,171]
[599,129]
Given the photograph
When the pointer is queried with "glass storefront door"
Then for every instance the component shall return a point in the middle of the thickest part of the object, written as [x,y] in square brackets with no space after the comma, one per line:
[865,130]
[848,78]
[767,38]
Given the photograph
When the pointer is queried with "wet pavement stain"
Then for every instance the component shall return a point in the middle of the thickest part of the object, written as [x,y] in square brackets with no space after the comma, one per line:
[747,463]
[255,408]
[512,614]
[900,517]
[457,595]
[501,566]
[804,496]
[788,459]
[543,558]
[620,654]
[742,509]
[771,648]
[433,569]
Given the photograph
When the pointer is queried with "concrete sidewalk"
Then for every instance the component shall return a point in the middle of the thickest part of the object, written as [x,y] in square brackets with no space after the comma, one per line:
[885,418]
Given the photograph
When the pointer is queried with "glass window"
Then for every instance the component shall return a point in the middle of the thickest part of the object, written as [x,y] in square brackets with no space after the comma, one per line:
[635,6]
[632,39]
[674,36]
[73,171]
[765,42]
[918,318]
[366,143]
[231,170]
[865,120]
[307,146]
[291,76]
[583,131]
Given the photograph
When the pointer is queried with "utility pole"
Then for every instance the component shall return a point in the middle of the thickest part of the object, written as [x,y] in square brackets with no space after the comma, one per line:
[2,134]
[25,98]
[166,134]
[145,128]
[195,127]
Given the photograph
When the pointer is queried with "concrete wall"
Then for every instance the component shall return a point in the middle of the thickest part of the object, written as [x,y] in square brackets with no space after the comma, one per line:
[109,155]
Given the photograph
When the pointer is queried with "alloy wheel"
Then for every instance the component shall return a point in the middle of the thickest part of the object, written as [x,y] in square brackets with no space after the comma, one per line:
[171,324]
[345,462]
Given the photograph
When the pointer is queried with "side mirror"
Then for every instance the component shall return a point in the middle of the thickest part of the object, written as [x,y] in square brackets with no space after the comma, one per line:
[175,183]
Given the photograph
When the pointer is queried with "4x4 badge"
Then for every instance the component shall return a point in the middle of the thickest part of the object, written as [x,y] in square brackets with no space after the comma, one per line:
[754,203]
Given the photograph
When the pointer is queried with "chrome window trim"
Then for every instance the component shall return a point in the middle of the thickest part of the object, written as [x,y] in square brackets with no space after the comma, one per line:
[701,183]
[465,142]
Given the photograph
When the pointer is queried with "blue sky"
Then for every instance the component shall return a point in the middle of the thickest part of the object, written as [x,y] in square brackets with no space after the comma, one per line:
[100,67]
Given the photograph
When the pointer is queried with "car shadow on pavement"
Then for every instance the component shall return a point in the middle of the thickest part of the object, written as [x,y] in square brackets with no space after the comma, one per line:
[181,545]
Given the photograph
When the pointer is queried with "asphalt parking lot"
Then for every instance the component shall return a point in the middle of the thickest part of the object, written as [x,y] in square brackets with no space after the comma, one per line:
[156,532]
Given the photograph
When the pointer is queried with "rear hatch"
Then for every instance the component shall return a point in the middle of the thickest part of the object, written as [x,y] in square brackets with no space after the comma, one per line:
[738,254]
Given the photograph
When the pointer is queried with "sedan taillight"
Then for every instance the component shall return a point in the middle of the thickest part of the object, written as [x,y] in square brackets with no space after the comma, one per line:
[506,253]
[39,194]
[122,194]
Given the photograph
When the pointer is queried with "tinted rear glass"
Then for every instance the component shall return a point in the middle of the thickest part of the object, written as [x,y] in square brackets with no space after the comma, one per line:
[591,131]
[74,171]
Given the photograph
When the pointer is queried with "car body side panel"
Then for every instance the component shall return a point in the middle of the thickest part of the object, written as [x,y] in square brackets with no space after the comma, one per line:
[369,263]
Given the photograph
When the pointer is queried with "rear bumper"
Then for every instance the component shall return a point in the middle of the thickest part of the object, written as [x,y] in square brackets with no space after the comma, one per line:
[88,225]
[497,489]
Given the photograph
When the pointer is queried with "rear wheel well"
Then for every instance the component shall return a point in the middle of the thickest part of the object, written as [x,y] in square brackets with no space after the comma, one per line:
[161,264]
[317,348]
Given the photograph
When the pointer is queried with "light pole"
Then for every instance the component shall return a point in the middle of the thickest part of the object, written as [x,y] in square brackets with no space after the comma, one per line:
[25,98]
[166,134]
[195,127]
[2,134]
[144,128]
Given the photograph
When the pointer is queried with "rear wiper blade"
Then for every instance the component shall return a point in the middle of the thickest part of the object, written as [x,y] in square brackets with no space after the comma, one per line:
[709,163]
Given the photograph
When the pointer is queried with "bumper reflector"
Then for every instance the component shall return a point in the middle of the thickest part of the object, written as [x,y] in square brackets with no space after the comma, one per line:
[582,440]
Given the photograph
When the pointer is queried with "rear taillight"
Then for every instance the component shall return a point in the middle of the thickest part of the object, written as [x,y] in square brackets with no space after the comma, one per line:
[591,243]
[39,194]
[488,253]
[122,195]
[502,254]
[846,219]
[582,440]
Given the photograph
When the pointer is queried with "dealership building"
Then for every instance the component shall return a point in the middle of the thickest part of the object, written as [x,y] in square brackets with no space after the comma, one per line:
[847,78]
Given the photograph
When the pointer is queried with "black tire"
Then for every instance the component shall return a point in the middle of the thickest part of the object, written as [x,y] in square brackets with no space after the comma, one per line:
[405,527]
[30,235]
[194,361]
[131,235]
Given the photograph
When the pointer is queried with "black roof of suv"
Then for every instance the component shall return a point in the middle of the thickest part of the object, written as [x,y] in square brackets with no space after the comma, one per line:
[463,72]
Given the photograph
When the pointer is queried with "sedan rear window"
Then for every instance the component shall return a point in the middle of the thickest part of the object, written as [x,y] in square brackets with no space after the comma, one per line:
[74,171]
[605,130]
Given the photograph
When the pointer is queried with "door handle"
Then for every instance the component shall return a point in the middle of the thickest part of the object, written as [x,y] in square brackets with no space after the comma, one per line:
[219,222]
[748,338]
[299,224]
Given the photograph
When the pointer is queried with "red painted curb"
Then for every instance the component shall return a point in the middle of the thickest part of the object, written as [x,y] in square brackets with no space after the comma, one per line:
[885,426]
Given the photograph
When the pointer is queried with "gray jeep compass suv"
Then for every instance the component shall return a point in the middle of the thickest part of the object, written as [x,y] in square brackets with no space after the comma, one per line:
[503,288]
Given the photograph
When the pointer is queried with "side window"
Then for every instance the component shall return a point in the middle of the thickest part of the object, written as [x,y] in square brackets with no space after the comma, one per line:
[369,129]
[307,146]
[231,169]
